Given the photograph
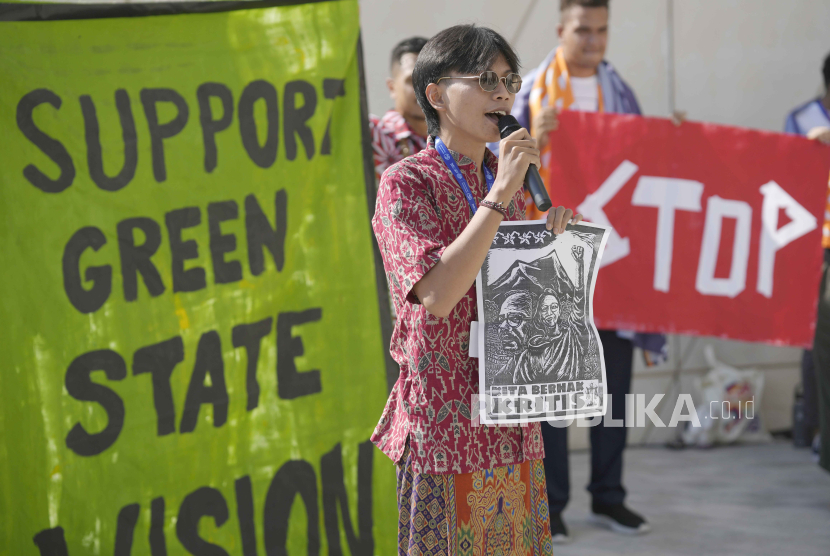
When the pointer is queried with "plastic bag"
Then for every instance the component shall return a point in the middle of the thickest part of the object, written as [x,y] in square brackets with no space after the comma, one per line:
[728,411]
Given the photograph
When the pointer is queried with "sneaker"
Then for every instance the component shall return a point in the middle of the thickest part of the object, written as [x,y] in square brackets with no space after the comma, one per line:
[619,519]
[558,530]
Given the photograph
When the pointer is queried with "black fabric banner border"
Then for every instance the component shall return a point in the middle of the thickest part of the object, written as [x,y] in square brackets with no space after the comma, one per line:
[38,11]
[386,325]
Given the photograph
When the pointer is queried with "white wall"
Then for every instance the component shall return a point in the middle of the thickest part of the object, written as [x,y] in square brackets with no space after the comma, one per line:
[736,62]
[386,22]
[747,62]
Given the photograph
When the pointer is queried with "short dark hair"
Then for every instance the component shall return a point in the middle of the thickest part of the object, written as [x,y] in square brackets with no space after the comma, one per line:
[565,4]
[462,48]
[412,45]
[826,71]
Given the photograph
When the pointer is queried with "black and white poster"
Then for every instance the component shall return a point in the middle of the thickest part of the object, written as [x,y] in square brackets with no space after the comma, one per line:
[540,357]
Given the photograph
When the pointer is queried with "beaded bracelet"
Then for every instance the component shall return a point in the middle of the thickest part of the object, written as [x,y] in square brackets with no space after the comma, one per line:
[494,206]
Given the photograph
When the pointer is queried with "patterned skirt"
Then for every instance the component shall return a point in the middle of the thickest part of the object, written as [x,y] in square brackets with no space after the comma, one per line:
[495,512]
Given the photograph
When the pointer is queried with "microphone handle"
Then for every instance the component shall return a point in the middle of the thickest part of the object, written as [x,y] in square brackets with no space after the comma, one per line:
[538,193]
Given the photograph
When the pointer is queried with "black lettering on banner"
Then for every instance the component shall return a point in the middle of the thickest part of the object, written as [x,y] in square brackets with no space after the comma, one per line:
[51,542]
[191,279]
[125,529]
[94,156]
[136,258]
[261,234]
[245,513]
[158,131]
[205,501]
[79,385]
[51,147]
[208,362]
[224,272]
[211,126]
[332,88]
[334,493]
[85,300]
[295,118]
[262,155]
[158,544]
[160,360]
[293,478]
[291,383]
[250,337]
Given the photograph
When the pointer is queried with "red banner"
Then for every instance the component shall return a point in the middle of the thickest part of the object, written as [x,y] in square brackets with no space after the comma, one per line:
[717,230]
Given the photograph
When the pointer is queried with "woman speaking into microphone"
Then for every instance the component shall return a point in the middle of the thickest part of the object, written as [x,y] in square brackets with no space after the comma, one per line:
[436,215]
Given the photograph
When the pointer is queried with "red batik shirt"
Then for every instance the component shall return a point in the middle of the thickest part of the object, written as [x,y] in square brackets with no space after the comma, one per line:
[420,210]
[393,140]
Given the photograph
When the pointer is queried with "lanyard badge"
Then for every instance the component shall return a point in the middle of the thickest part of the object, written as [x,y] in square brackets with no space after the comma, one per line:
[446,156]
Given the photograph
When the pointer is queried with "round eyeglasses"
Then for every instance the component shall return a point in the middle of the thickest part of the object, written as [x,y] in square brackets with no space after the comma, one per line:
[513,319]
[489,80]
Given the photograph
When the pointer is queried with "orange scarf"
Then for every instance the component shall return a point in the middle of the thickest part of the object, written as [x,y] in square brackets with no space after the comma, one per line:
[551,88]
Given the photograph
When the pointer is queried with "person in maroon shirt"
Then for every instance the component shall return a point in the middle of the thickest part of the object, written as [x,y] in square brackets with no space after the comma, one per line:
[402,131]
[462,487]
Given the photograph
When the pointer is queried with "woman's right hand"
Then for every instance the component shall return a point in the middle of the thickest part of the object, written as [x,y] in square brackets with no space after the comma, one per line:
[517,152]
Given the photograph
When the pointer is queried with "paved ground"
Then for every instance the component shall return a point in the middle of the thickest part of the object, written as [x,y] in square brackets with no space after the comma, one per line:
[752,500]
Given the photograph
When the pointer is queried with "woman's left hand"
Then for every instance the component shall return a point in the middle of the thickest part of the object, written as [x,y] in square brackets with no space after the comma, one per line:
[559,217]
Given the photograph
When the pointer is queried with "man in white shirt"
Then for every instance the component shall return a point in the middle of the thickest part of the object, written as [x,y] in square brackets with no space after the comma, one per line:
[574,76]
[813,118]
[585,92]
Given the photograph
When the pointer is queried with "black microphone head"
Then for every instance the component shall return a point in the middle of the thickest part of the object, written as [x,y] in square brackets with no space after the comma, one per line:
[507,125]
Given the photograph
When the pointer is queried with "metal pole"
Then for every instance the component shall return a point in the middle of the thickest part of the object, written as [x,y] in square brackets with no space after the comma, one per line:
[670,55]
[523,21]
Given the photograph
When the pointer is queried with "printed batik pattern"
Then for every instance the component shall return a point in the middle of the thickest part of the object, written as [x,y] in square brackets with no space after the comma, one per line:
[392,140]
[495,512]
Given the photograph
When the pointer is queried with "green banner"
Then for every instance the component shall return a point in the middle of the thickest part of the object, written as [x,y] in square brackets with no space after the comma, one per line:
[192,349]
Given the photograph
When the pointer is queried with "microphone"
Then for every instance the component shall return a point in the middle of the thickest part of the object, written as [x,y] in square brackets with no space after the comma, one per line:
[533,181]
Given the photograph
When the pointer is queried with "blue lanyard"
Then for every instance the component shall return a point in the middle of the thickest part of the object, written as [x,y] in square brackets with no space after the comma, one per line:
[459,177]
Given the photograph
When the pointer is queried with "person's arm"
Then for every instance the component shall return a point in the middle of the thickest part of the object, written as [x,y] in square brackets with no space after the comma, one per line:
[450,279]
[579,292]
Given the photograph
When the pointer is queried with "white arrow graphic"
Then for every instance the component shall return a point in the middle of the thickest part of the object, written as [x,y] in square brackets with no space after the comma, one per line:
[592,209]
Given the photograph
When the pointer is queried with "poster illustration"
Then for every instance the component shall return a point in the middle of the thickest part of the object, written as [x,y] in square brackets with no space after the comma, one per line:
[540,357]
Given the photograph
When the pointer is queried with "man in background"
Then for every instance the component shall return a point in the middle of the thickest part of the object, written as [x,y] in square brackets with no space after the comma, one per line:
[402,131]
[813,118]
[574,76]
[813,121]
